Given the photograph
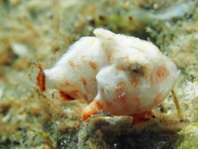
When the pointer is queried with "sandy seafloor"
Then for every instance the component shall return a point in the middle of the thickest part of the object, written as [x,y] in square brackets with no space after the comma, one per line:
[34,31]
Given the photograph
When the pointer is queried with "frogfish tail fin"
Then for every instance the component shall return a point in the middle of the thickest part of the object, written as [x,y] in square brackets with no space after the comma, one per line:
[41,83]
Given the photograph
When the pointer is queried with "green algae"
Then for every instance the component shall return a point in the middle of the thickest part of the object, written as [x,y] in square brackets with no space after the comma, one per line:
[190,137]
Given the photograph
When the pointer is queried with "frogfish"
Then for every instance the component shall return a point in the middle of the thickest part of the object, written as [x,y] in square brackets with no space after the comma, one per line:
[115,73]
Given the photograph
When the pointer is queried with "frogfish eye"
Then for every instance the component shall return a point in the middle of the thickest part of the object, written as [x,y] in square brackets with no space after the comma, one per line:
[135,70]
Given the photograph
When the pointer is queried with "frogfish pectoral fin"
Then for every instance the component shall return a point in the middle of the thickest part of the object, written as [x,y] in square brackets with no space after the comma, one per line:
[139,119]
[93,108]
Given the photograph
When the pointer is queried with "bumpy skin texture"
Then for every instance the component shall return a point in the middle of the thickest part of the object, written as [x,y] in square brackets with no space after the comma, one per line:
[115,73]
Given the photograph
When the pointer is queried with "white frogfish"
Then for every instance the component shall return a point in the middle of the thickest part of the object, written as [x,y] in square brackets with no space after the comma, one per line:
[119,74]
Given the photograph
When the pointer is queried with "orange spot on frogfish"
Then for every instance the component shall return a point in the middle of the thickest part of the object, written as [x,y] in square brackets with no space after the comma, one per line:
[161,73]
[83,81]
[93,65]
